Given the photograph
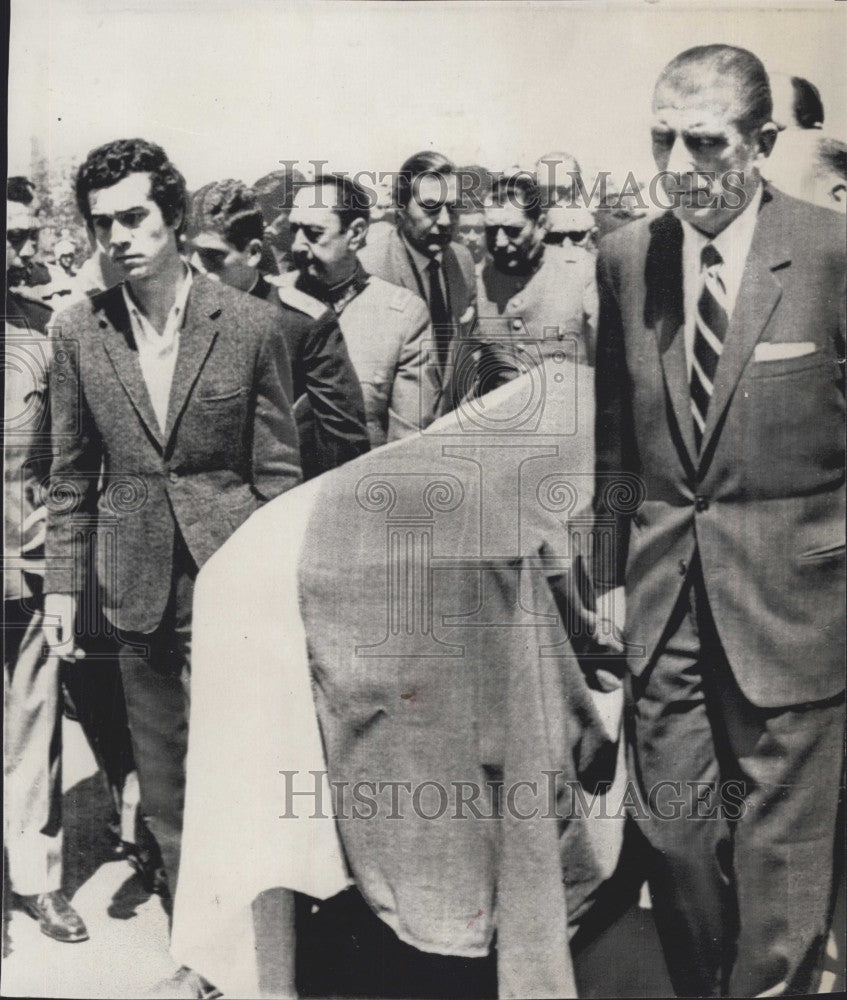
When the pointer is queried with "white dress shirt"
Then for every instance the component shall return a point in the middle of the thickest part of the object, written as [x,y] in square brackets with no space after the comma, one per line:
[157,352]
[733,244]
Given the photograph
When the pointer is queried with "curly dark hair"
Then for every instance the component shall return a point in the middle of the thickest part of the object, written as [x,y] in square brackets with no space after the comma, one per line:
[112,162]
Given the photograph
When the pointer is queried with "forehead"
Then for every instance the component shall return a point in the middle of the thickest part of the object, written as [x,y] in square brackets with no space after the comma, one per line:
[472,219]
[314,206]
[131,192]
[713,106]
[510,213]
[20,216]
[430,189]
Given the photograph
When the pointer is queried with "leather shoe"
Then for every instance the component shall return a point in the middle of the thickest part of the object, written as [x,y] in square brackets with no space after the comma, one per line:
[184,983]
[55,915]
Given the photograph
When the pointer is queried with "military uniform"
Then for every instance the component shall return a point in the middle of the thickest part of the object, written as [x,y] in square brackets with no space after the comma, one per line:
[328,407]
[388,335]
[533,316]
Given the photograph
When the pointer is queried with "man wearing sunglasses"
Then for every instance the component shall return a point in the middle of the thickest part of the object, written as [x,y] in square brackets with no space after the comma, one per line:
[422,255]
[534,302]
[227,246]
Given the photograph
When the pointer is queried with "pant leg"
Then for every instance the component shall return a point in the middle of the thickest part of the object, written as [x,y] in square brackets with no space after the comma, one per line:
[672,741]
[790,761]
[155,670]
[32,756]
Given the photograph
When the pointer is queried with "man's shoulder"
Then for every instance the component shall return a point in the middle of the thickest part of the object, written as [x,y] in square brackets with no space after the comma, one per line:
[298,303]
[635,236]
[381,248]
[214,299]
[810,229]
[465,261]
[384,295]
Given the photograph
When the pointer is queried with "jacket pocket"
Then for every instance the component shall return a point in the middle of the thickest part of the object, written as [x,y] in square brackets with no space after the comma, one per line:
[824,553]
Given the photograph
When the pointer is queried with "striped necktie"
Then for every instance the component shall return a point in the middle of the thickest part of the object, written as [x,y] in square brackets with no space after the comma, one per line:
[709,335]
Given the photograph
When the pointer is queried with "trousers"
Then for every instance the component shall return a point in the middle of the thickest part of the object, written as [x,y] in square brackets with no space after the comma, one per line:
[739,813]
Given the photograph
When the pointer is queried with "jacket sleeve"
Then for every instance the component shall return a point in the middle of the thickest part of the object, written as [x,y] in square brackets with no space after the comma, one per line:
[338,425]
[276,449]
[74,473]
[590,309]
[414,393]
[615,447]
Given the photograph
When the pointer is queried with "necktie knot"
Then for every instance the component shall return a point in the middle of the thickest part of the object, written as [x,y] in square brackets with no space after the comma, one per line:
[434,265]
[710,256]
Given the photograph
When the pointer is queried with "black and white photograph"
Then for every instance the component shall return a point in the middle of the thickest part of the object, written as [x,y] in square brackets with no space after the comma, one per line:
[424,499]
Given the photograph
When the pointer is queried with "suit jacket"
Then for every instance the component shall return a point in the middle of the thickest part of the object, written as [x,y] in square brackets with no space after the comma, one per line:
[762,505]
[388,259]
[328,403]
[388,335]
[26,459]
[229,445]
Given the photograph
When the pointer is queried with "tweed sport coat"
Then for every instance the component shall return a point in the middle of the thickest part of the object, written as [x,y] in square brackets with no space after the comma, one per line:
[762,503]
[230,443]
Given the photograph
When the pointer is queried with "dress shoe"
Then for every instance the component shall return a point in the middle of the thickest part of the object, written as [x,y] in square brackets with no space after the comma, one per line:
[55,915]
[148,867]
[183,984]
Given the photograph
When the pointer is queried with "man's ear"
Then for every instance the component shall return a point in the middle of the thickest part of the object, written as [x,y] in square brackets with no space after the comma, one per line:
[542,222]
[357,233]
[767,140]
[254,252]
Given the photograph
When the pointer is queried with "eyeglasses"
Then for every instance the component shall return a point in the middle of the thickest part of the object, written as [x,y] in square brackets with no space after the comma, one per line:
[468,230]
[17,237]
[512,232]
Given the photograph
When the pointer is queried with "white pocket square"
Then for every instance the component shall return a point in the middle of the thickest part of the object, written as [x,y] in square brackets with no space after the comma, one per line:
[779,352]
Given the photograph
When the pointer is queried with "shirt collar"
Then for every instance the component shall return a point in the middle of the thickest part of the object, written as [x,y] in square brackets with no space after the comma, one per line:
[340,295]
[421,260]
[176,314]
[733,242]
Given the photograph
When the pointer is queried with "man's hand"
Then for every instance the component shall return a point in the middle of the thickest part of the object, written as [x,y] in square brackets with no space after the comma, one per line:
[59,617]
[609,620]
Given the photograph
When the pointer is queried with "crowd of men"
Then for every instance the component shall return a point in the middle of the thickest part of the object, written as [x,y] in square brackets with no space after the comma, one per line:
[216,350]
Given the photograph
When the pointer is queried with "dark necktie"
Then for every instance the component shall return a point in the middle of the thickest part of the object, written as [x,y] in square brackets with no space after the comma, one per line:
[442,325]
[709,334]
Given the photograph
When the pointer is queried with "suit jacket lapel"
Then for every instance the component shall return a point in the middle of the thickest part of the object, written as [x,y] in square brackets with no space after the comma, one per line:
[195,340]
[120,346]
[758,295]
[665,313]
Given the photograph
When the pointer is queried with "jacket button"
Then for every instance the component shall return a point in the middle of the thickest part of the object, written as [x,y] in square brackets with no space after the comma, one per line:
[173,477]
[516,324]
[683,567]
[701,504]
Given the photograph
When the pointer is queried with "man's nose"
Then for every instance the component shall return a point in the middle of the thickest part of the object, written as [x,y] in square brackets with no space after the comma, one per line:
[444,219]
[679,160]
[502,239]
[299,241]
[119,234]
[27,249]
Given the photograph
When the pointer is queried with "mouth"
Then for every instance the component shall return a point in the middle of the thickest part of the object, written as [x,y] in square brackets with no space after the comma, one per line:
[127,258]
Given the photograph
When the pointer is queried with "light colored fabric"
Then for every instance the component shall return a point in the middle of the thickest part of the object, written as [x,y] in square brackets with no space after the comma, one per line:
[479,682]
[249,681]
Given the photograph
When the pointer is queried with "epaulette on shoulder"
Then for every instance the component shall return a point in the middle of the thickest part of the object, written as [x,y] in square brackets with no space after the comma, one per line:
[400,298]
[301,301]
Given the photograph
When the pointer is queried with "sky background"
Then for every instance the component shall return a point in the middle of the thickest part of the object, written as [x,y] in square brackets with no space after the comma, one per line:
[229,89]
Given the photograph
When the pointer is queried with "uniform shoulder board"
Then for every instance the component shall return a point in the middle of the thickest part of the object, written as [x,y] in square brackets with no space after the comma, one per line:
[400,298]
[300,301]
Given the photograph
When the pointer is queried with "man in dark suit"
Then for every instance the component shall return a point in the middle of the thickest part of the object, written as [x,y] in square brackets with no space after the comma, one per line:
[228,230]
[171,424]
[719,384]
[421,255]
